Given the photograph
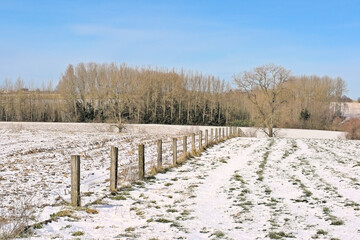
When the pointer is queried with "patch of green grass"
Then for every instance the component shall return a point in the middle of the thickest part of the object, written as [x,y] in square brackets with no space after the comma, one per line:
[176,225]
[185,213]
[238,178]
[163,220]
[171,210]
[140,184]
[37,226]
[262,165]
[129,229]
[337,222]
[267,190]
[139,213]
[352,204]
[127,236]
[67,226]
[326,210]
[218,234]
[78,233]
[321,232]
[279,235]
[118,197]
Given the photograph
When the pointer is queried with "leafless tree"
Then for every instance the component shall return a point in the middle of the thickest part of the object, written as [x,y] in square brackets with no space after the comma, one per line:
[264,86]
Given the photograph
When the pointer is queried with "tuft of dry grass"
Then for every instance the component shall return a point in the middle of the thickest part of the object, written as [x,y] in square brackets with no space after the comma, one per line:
[91,211]
[63,213]
[154,170]
[183,158]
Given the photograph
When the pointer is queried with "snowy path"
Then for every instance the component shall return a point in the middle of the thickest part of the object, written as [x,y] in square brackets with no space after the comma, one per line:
[245,188]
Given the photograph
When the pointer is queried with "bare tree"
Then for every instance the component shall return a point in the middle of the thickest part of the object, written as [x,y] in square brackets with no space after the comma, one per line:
[264,86]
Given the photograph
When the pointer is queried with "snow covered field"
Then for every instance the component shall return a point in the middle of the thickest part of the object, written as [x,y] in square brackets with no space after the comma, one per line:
[244,188]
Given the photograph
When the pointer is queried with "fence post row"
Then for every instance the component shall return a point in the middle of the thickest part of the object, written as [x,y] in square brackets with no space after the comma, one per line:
[75,181]
[174,151]
[75,159]
[113,169]
[141,162]
[159,156]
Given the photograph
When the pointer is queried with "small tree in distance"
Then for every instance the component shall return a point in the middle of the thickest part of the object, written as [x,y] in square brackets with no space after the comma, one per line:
[264,86]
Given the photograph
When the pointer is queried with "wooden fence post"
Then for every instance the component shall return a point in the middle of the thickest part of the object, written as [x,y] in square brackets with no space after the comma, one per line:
[174,151]
[113,169]
[75,181]
[227,132]
[211,135]
[184,145]
[206,138]
[219,134]
[200,141]
[141,162]
[159,156]
[193,146]
[216,135]
[223,133]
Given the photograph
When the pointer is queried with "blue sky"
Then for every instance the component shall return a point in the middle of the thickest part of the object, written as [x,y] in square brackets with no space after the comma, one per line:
[38,39]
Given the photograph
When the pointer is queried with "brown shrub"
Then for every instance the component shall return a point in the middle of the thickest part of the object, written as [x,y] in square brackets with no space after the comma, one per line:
[352,128]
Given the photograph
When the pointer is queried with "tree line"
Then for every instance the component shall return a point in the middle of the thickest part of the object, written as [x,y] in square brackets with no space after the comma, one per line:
[92,92]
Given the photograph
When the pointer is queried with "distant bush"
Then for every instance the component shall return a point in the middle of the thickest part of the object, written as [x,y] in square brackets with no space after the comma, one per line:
[346,99]
[242,123]
[352,128]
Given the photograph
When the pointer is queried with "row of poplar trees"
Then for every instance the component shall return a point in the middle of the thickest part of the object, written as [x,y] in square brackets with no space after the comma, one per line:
[110,92]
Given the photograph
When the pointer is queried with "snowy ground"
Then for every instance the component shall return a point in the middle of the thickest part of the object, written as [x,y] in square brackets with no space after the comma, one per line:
[245,188]
[36,163]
